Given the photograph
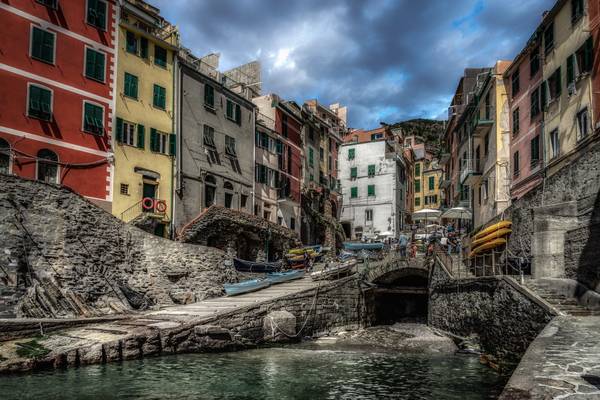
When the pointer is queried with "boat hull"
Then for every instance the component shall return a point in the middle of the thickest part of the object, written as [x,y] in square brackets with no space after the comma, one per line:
[280,277]
[251,266]
[488,246]
[492,228]
[494,235]
[252,285]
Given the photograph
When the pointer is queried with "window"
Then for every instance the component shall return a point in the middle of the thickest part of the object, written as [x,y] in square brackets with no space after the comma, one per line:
[4,157]
[47,166]
[292,223]
[516,83]
[576,10]
[128,133]
[311,133]
[417,186]
[131,86]
[243,200]
[284,125]
[515,121]
[584,58]
[534,61]
[230,146]
[94,64]
[353,192]
[124,189]
[551,88]
[160,56]
[49,3]
[351,154]
[583,124]
[376,136]
[371,190]
[353,173]
[371,170]
[418,169]
[417,201]
[209,96]
[535,150]
[570,72]
[330,163]
[535,102]
[228,194]
[554,143]
[311,157]
[321,154]
[432,183]
[42,45]
[516,166]
[93,118]
[131,44]
[96,13]
[158,141]
[159,98]
[368,215]
[209,142]
[210,188]
[312,178]
[234,112]
[40,103]
[549,38]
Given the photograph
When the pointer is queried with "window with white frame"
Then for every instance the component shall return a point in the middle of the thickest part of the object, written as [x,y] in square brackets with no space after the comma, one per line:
[582,124]
[554,143]
[128,133]
[369,215]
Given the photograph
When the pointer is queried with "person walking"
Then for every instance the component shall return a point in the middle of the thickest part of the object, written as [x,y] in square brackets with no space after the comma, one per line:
[402,244]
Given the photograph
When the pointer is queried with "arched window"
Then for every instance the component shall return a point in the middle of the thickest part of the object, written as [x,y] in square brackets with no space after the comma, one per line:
[228,186]
[4,157]
[47,166]
[210,190]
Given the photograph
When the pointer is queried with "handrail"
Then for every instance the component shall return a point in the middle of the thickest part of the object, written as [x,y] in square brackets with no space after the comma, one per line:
[128,211]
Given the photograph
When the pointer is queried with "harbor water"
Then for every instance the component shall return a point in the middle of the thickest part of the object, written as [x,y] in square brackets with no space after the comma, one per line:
[294,372]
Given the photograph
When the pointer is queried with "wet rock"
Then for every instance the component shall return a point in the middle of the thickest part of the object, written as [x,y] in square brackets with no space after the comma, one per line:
[279,326]
[91,355]
[213,338]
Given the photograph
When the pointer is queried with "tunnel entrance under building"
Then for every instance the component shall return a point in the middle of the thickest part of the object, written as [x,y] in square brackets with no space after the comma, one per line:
[401,296]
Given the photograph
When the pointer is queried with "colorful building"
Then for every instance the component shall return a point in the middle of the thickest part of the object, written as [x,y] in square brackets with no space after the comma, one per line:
[57,77]
[427,174]
[523,81]
[594,26]
[566,94]
[279,157]
[144,142]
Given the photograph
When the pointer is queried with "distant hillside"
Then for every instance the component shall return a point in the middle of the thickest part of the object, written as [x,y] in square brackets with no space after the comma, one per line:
[431,131]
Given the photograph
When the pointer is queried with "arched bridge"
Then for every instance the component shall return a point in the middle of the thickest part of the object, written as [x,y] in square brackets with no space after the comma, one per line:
[399,288]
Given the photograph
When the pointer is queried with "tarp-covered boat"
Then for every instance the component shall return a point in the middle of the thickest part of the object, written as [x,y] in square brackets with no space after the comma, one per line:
[335,271]
[279,277]
[356,246]
[252,266]
[233,289]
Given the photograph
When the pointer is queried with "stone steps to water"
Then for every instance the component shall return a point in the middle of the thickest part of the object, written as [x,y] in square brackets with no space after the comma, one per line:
[565,304]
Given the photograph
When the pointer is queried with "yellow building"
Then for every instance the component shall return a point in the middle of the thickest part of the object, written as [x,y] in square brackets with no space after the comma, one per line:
[144,143]
[427,176]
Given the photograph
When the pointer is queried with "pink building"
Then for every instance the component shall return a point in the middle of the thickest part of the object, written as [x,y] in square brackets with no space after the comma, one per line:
[523,80]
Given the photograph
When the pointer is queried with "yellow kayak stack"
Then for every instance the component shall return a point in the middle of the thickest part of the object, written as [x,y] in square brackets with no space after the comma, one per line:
[491,237]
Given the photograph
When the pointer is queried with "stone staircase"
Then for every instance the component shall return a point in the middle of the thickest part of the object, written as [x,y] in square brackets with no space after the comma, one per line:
[562,301]
[9,297]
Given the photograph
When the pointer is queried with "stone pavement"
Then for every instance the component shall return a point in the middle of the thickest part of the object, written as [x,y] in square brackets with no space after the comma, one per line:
[563,362]
[142,334]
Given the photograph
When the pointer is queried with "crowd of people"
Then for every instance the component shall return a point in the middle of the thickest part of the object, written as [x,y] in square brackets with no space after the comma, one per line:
[447,237]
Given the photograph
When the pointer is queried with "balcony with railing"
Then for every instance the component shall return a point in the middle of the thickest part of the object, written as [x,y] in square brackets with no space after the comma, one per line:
[470,171]
[483,122]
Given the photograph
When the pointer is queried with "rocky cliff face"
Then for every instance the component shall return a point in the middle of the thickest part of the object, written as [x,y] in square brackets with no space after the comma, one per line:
[62,256]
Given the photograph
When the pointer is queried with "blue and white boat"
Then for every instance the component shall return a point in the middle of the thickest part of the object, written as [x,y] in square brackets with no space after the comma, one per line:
[357,246]
[279,277]
[252,285]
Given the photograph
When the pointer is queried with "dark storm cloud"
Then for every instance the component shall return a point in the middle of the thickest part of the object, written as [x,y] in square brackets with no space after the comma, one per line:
[386,60]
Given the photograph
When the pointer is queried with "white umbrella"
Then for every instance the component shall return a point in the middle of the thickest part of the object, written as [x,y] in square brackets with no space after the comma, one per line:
[457,213]
[386,233]
[427,214]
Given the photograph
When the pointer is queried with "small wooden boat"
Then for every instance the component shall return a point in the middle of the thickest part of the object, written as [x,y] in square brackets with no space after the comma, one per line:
[356,246]
[301,251]
[487,246]
[492,228]
[494,235]
[251,266]
[334,272]
[279,277]
[252,285]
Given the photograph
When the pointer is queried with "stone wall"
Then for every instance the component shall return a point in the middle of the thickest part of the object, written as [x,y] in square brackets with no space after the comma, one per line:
[70,258]
[504,315]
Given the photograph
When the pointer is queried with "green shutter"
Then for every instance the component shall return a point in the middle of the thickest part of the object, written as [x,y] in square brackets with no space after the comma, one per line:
[143,47]
[42,45]
[417,186]
[141,136]
[371,170]
[558,82]
[131,43]
[119,133]
[570,69]
[351,154]
[159,99]
[353,192]
[153,140]
[160,56]
[417,169]
[94,66]
[172,144]
[353,173]
[431,183]
[131,85]
[238,114]
[96,13]
[209,96]
[40,103]
[229,109]
[371,190]
[311,156]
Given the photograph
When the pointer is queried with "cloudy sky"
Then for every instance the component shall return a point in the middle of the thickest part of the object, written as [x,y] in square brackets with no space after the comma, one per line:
[387,60]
